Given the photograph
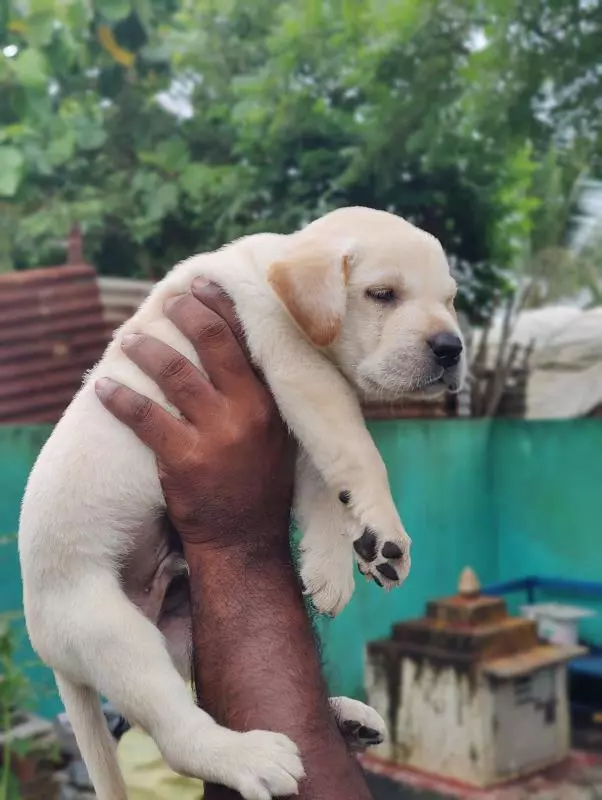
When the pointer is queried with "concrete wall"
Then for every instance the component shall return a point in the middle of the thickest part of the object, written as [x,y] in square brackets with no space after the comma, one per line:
[510,498]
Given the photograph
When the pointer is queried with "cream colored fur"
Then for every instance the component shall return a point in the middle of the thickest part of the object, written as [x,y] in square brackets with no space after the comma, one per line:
[323,344]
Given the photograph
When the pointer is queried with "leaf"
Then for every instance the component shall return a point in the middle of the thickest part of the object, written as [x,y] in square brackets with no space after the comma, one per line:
[30,68]
[78,15]
[43,6]
[61,149]
[113,10]
[40,29]
[4,13]
[172,155]
[89,134]
[194,179]
[21,747]
[162,202]
[94,138]
[11,170]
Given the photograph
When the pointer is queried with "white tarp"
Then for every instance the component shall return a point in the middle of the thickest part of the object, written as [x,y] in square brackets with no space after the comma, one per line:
[566,365]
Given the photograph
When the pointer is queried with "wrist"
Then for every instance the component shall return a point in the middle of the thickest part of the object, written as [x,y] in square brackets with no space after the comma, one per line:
[262,572]
[251,549]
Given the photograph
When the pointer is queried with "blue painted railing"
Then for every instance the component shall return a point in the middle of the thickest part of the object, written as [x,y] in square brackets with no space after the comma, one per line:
[533,582]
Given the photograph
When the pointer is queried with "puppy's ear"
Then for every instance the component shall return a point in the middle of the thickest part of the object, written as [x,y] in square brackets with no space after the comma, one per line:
[311,282]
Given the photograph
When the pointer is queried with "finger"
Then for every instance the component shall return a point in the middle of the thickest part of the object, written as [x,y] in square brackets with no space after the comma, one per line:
[180,381]
[218,300]
[219,351]
[152,424]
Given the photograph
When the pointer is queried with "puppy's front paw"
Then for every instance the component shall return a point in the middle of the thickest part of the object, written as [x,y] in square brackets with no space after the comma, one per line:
[360,725]
[328,576]
[385,560]
[259,764]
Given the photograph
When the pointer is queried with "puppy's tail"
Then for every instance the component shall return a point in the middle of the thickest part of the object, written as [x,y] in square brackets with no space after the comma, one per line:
[93,737]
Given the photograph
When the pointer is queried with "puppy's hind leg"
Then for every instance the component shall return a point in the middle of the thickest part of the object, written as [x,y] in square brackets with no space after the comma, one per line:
[94,740]
[96,637]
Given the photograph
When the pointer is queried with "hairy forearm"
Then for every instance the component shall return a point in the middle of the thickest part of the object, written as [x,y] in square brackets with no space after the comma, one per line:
[257,666]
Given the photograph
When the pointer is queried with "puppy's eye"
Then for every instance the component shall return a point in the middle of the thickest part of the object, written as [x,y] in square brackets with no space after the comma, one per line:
[381,294]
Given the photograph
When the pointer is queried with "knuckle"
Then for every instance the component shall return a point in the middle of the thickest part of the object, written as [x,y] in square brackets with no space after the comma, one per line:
[190,457]
[215,330]
[261,414]
[236,433]
[142,409]
[174,368]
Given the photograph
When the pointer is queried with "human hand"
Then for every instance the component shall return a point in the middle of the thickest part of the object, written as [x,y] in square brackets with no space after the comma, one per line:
[227,467]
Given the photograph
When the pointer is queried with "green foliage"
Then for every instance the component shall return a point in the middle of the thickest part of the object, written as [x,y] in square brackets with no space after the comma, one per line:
[14,696]
[166,127]
[12,162]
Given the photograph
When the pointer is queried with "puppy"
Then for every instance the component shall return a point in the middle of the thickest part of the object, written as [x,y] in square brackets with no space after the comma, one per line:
[357,305]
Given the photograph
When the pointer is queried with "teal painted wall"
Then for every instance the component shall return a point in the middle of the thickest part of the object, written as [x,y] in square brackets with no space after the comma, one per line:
[440,477]
[547,504]
[508,498]
[18,450]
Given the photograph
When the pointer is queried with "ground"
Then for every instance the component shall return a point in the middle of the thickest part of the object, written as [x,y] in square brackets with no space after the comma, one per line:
[385,789]
[580,778]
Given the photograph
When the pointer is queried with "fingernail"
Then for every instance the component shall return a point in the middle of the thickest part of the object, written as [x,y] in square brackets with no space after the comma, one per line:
[131,339]
[198,285]
[104,387]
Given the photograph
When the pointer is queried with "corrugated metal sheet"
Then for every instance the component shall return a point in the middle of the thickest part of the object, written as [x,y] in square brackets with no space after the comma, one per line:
[121,297]
[440,408]
[51,331]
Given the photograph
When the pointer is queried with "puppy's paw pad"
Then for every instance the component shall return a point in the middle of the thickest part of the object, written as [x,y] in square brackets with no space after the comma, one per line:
[360,737]
[388,571]
[391,550]
[367,545]
[360,725]
[382,560]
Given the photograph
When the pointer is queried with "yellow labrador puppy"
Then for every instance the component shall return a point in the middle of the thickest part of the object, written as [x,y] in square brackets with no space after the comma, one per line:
[357,305]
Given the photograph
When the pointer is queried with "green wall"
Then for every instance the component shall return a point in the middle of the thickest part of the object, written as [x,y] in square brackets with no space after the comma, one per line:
[18,450]
[510,498]
[547,504]
[440,477]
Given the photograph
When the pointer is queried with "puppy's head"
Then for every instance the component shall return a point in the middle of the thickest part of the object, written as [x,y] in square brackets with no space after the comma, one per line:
[375,293]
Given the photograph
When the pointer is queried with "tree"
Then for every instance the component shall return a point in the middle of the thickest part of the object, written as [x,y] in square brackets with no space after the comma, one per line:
[169,127]
[541,61]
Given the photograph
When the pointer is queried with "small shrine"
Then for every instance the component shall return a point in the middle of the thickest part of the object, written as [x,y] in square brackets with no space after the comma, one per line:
[471,693]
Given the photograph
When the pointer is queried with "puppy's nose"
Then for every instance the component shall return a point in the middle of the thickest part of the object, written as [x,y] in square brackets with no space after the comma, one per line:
[447,348]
